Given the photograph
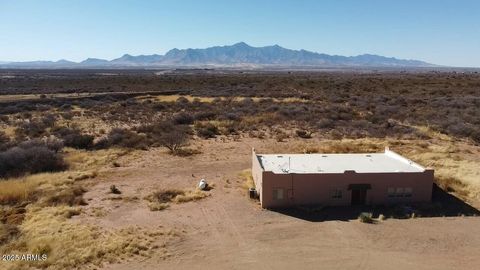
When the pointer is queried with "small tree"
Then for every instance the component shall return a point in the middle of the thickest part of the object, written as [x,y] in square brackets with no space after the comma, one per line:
[171,136]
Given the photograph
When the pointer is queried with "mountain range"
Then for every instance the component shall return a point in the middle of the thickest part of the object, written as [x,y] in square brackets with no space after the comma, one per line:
[236,55]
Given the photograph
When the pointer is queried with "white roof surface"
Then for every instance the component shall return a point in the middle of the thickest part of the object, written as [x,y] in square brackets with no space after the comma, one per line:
[338,163]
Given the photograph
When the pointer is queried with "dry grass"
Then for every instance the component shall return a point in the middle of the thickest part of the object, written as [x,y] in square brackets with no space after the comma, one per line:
[76,246]
[159,200]
[455,163]
[45,189]
[16,190]
[256,120]
[45,224]
[331,146]
[452,184]
[248,179]
[70,195]
[351,146]
[7,233]
[191,195]
[32,187]
[82,160]
[156,206]
[206,99]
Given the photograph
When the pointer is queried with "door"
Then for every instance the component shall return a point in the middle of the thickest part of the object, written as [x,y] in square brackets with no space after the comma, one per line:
[359,196]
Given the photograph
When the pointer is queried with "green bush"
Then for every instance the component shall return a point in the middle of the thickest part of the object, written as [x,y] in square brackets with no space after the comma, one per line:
[207,130]
[365,217]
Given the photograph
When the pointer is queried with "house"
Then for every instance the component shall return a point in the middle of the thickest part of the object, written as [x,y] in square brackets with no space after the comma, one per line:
[339,179]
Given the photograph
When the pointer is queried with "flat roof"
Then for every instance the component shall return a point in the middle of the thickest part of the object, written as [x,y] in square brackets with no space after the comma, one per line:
[338,163]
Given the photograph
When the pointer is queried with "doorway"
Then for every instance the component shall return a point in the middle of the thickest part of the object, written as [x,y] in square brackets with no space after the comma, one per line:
[359,193]
[359,196]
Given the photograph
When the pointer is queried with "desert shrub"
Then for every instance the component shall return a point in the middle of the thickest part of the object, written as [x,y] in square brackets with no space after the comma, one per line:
[183,119]
[159,107]
[281,136]
[51,142]
[67,115]
[4,141]
[476,136]
[66,107]
[207,130]
[232,116]
[365,217]
[30,157]
[114,190]
[31,129]
[123,138]
[303,134]
[79,141]
[73,138]
[325,123]
[228,128]
[164,196]
[5,119]
[246,102]
[182,100]
[206,115]
[49,120]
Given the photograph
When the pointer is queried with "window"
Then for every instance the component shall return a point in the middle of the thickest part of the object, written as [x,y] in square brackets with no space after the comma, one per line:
[408,192]
[399,192]
[391,192]
[336,194]
[278,193]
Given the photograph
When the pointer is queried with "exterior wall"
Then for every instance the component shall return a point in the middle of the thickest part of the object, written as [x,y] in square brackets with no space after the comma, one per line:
[304,189]
[257,174]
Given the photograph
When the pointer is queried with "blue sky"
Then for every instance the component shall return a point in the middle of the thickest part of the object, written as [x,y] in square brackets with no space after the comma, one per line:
[443,32]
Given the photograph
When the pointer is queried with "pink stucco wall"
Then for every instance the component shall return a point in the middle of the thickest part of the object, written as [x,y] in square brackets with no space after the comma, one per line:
[304,189]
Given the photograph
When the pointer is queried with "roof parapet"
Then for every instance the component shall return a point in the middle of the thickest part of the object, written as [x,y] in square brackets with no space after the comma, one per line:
[396,156]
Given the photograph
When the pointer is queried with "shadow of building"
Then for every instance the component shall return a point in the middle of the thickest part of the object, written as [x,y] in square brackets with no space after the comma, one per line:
[443,204]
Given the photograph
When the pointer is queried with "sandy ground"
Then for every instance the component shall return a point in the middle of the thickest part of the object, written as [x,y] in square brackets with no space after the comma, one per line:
[229,231]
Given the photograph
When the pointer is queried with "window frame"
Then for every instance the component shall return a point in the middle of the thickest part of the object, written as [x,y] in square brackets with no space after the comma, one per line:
[276,193]
[399,192]
[337,193]
[391,192]
[407,194]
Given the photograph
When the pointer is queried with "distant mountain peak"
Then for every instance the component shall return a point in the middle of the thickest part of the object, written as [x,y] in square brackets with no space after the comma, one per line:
[238,54]
[240,44]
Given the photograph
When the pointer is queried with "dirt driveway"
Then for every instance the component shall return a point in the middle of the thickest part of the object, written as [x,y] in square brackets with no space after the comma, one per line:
[228,231]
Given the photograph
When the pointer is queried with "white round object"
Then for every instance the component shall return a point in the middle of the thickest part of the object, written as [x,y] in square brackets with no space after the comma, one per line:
[203,184]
